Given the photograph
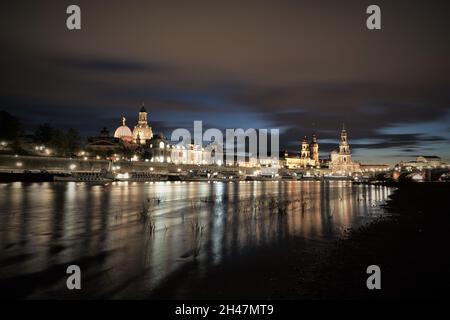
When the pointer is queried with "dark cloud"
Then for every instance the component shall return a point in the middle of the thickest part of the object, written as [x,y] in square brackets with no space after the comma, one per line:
[302,66]
[106,65]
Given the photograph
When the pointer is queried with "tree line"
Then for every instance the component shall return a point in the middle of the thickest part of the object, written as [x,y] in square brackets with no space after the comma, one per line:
[60,142]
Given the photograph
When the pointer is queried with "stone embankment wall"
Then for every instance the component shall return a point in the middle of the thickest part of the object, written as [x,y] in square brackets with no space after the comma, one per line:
[64,165]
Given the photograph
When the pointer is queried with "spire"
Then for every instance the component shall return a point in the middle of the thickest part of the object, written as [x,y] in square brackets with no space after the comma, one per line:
[343,134]
[124,121]
[143,108]
[343,144]
[304,149]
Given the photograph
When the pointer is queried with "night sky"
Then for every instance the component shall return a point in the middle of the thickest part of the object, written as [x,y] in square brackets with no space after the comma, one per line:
[300,66]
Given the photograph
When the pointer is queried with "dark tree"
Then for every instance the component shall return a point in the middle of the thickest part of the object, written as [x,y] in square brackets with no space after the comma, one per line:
[146,154]
[73,140]
[59,142]
[9,126]
[44,134]
[64,144]
[127,152]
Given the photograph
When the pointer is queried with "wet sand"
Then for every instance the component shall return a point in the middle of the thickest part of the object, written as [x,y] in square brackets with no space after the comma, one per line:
[410,247]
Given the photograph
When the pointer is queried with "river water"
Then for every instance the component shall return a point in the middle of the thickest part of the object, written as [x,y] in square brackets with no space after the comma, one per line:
[45,227]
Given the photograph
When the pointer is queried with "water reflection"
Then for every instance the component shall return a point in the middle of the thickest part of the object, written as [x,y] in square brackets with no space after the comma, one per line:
[46,226]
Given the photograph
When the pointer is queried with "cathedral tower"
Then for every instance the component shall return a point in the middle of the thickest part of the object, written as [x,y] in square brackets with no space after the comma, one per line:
[344,148]
[315,150]
[341,161]
[143,116]
[304,152]
[142,132]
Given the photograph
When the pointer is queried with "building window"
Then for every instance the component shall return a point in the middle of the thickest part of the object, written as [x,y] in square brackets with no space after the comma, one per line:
[161,145]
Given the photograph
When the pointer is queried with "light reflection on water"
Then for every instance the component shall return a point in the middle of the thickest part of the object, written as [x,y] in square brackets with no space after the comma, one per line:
[46,226]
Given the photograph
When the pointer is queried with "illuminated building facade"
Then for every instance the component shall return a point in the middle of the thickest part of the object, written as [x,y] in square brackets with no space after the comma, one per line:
[142,131]
[341,162]
[308,156]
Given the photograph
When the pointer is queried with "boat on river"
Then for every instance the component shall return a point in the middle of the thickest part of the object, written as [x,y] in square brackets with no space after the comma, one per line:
[85,176]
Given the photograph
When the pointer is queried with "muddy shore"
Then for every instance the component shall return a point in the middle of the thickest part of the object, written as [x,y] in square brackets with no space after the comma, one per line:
[410,247]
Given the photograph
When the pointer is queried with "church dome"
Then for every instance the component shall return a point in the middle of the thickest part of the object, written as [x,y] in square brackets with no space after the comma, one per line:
[123,131]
